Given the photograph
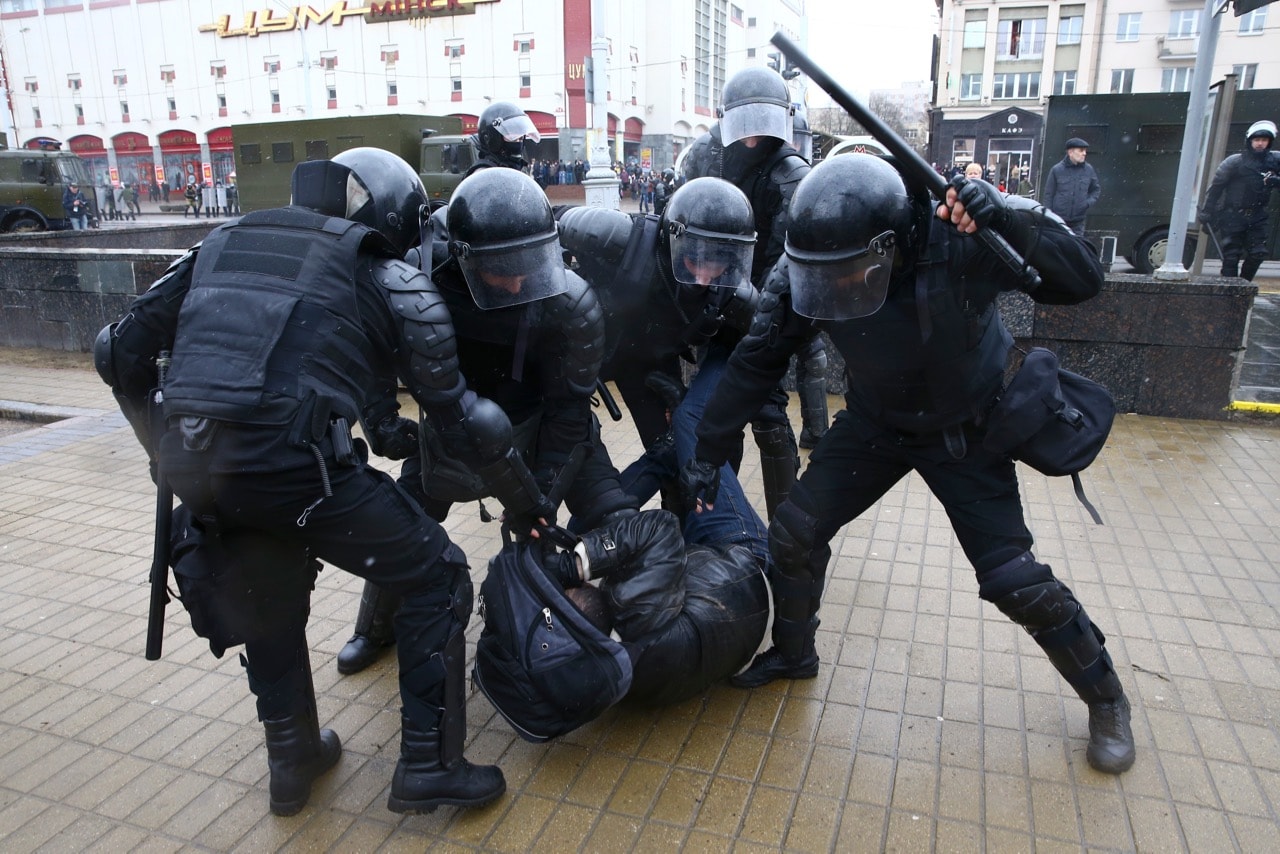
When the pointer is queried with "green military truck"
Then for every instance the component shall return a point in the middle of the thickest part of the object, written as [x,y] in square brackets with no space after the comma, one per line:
[1135,143]
[32,182]
[266,152]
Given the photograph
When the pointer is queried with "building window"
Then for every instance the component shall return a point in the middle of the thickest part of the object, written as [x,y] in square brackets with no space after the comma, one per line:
[222,101]
[1129,27]
[970,87]
[18,5]
[455,93]
[735,14]
[454,50]
[1248,75]
[172,103]
[35,115]
[275,100]
[1122,81]
[1071,30]
[1175,79]
[167,74]
[271,64]
[328,59]
[31,85]
[962,148]
[79,108]
[62,4]
[526,81]
[1013,86]
[1252,23]
[73,82]
[119,77]
[390,55]
[124,111]
[1064,82]
[331,95]
[975,33]
[218,68]
[1022,39]
[523,44]
[1184,24]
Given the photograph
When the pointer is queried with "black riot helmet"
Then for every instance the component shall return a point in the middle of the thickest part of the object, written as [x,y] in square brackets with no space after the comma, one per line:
[503,236]
[502,130]
[369,186]
[849,217]
[756,102]
[709,229]
[802,136]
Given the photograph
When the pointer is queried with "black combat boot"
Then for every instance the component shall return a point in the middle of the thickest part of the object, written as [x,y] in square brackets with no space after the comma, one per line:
[1230,269]
[1058,623]
[431,773]
[298,751]
[374,632]
[1249,268]
[793,656]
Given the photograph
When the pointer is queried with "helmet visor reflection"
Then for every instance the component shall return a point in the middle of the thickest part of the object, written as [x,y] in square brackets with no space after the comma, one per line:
[710,262]
[756,119]
[513,275]
[517,127]
[845,287]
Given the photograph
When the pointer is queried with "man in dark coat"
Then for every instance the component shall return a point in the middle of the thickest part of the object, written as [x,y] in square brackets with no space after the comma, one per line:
[1072,187]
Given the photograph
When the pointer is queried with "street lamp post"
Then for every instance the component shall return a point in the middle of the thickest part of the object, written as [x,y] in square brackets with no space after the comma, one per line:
[600,183]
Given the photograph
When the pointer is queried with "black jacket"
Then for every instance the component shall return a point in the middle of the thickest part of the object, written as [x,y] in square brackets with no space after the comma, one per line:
[1071,189]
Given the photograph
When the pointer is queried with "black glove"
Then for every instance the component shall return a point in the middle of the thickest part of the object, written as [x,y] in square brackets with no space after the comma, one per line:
[984,203]
[699,479]
[394,437]
[1206,218]
[669,388]
[1271,180]
[521,523]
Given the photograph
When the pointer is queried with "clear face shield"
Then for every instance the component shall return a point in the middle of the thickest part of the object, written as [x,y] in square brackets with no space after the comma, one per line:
[515,132]
[710,260]
[843,286]
[756,118]
[502,275]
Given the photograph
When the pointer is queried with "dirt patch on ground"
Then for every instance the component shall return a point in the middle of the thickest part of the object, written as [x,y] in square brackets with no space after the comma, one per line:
[37,357]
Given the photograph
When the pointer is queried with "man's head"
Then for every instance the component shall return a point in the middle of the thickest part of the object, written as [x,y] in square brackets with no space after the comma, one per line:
[75,188]
[369,186]
[1077,148]
[593,604]
[709,229]
[502,131]
[503,236]
[1261,135]
[851,216]
[973,170]
[756,105]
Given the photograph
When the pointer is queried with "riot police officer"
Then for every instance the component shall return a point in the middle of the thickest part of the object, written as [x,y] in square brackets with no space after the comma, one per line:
[529,337]
[502,133]
[1235,207]
[909,301]
[750,146]
[675,287]
[288,326]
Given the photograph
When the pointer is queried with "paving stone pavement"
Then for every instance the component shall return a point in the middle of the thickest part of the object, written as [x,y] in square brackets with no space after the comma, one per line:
[934,724]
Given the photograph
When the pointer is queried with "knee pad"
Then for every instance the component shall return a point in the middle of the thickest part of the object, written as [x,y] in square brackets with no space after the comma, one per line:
[798,562]
[1020,572]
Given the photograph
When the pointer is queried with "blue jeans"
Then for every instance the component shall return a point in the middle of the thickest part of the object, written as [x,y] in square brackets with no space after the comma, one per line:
[734,520]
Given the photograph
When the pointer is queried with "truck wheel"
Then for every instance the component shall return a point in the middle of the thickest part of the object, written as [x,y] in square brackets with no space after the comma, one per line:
[1150,252]
[25,224]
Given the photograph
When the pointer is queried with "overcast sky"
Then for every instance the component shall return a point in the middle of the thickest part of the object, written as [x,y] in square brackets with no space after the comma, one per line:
[871,44]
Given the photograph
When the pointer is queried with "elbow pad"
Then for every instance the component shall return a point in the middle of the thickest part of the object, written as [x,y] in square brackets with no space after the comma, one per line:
[596,232]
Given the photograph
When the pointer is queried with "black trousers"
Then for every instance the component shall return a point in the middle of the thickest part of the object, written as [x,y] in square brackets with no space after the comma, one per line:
[857,462]
[249,479]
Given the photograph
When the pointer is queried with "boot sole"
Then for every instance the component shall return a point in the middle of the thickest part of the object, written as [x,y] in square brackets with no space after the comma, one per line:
[429,805]
[744,681]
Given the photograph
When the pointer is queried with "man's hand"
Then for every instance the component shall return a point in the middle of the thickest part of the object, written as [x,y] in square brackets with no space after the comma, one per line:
[1271,179]
[395,438]
[699,485]
[973,204]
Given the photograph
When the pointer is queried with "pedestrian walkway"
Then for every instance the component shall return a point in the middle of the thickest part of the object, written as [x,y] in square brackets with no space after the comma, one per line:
[934,724]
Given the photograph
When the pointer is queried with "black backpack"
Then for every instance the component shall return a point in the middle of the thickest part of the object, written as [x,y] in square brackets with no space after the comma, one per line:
[541,664]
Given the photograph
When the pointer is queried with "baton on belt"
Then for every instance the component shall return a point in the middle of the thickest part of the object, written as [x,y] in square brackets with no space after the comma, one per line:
[164,522]
[908,159]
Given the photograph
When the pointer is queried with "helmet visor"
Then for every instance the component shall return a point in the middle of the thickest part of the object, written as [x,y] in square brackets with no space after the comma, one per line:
[717,262]
[841,286]
[516,128]
[500,276]
[757,118]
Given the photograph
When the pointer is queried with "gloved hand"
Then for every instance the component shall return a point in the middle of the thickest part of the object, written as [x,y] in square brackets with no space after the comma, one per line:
[699,485]
[562,568]
[523,523]
[394,437]
[984,203]
[1205,217]
[1272,179]
[669,388]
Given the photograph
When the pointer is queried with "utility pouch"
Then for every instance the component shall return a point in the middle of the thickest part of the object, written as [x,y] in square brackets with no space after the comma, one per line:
[344,450]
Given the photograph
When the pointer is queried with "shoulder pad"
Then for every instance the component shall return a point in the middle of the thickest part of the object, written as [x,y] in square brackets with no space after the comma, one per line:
[578,298]
[181,266]
[410,292]
[789,170]
[395,275]
[598,232]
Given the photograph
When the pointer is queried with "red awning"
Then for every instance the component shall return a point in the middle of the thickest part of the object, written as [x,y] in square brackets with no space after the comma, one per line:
[613,124]
[86,144]
[130,142]
[632,130]
[544,122]
[179,142]
[469,122]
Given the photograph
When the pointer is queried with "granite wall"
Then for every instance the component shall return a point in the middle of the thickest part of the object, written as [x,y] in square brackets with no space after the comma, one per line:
[59,298]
